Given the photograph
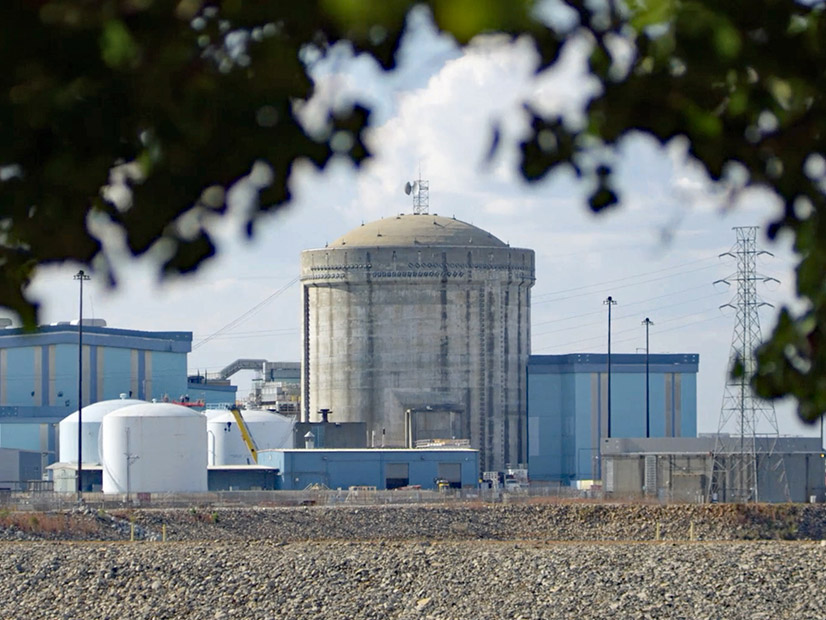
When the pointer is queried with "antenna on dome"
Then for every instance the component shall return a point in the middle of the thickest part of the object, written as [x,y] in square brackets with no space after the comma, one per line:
[420,190]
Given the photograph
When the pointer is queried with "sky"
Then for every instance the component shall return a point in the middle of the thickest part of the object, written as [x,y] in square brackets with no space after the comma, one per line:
[657,254]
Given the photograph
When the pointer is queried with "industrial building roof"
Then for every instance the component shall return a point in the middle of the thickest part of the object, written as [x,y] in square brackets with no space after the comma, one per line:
[418,230]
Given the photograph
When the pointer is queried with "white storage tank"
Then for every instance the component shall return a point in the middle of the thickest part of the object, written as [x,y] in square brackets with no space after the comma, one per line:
[92,417]
[269,430]
[154,448]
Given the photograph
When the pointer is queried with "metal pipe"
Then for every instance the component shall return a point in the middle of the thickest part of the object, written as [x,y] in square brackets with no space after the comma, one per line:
[609,302]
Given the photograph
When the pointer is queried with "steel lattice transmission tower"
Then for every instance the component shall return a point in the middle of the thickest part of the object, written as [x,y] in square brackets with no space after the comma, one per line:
[743,455]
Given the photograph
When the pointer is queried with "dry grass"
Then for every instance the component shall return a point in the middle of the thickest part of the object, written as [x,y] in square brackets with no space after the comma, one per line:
[46,523]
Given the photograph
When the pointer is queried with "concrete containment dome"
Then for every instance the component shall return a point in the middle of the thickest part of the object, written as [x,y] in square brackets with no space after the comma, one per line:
[154,448]
[419,326]
[413,230]
[269,430]
[92,417]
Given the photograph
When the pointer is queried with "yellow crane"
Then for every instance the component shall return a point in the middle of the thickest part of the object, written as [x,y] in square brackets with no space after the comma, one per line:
[245,433]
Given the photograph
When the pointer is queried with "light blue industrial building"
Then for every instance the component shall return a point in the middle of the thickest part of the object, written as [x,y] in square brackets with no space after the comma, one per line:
[379,468]
[39,374]
[568,407]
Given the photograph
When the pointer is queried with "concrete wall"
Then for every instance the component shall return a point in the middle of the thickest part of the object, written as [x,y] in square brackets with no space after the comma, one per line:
[568,407]
[391,331]
[341,469]
[19,465]
[348,435]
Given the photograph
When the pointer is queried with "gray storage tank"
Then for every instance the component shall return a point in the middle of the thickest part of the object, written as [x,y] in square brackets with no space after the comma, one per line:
[419,326]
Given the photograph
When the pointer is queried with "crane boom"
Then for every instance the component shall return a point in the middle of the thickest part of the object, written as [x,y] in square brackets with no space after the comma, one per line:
[245,433]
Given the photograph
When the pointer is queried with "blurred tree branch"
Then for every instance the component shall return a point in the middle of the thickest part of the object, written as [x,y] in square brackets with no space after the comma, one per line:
[143,112]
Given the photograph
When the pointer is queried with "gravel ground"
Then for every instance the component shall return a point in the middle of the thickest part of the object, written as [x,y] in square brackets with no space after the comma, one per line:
[486,561]
[466,579]
[594,522]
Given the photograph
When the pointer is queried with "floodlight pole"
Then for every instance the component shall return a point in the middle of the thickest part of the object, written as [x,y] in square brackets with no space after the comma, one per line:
[609,302]
[80,276]
[647,322]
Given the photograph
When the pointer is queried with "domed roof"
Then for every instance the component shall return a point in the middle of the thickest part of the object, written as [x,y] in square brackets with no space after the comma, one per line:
[418,230]
[251,416]
[96,411]
[155,410]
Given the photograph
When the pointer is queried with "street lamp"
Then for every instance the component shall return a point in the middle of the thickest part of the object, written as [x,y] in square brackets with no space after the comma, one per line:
[647,322]
[609,302]
[80,276]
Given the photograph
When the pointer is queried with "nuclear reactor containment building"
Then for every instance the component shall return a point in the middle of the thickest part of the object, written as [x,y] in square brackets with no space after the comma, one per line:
[419,326]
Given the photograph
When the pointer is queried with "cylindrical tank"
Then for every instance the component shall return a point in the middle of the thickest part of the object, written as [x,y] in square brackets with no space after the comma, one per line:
[154,448]
[226,446]
[419,326]
[92,416]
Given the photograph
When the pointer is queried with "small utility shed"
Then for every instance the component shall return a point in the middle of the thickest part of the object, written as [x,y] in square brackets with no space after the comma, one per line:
[380,468]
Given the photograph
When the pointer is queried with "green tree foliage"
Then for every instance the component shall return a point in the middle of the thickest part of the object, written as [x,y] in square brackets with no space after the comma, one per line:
[176,101]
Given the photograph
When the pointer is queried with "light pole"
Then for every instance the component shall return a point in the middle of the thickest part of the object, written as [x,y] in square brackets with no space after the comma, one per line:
[80,276]
[609,302]
[648,323]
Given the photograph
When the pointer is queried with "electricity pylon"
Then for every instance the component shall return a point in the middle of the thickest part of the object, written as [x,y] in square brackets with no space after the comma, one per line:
[741,456]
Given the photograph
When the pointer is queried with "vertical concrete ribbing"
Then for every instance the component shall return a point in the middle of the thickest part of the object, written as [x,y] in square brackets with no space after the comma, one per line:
[509,415]
[305,366]
[371,362]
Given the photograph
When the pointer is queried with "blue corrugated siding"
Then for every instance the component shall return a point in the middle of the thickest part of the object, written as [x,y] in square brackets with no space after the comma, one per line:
[20,436]
[562,400]
[169,375]
[341,469]
[117,373]
[20,376]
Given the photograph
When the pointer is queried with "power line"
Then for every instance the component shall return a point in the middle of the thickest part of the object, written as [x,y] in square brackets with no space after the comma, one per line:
[639,275]
[248,314]
[624,286]
[629,316]
[634,303]
[635,329]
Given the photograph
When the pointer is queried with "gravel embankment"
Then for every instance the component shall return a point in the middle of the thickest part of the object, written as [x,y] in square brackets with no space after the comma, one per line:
[486,561]
[543,522]
[594,522]
[404,580]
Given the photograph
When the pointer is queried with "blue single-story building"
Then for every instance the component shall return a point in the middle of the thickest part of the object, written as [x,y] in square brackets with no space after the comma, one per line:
[379,468]
[568,407]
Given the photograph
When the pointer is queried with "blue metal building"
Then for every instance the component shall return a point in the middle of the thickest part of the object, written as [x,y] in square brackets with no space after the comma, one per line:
[568,407]
[39,374]
[380,468]
[210,392]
